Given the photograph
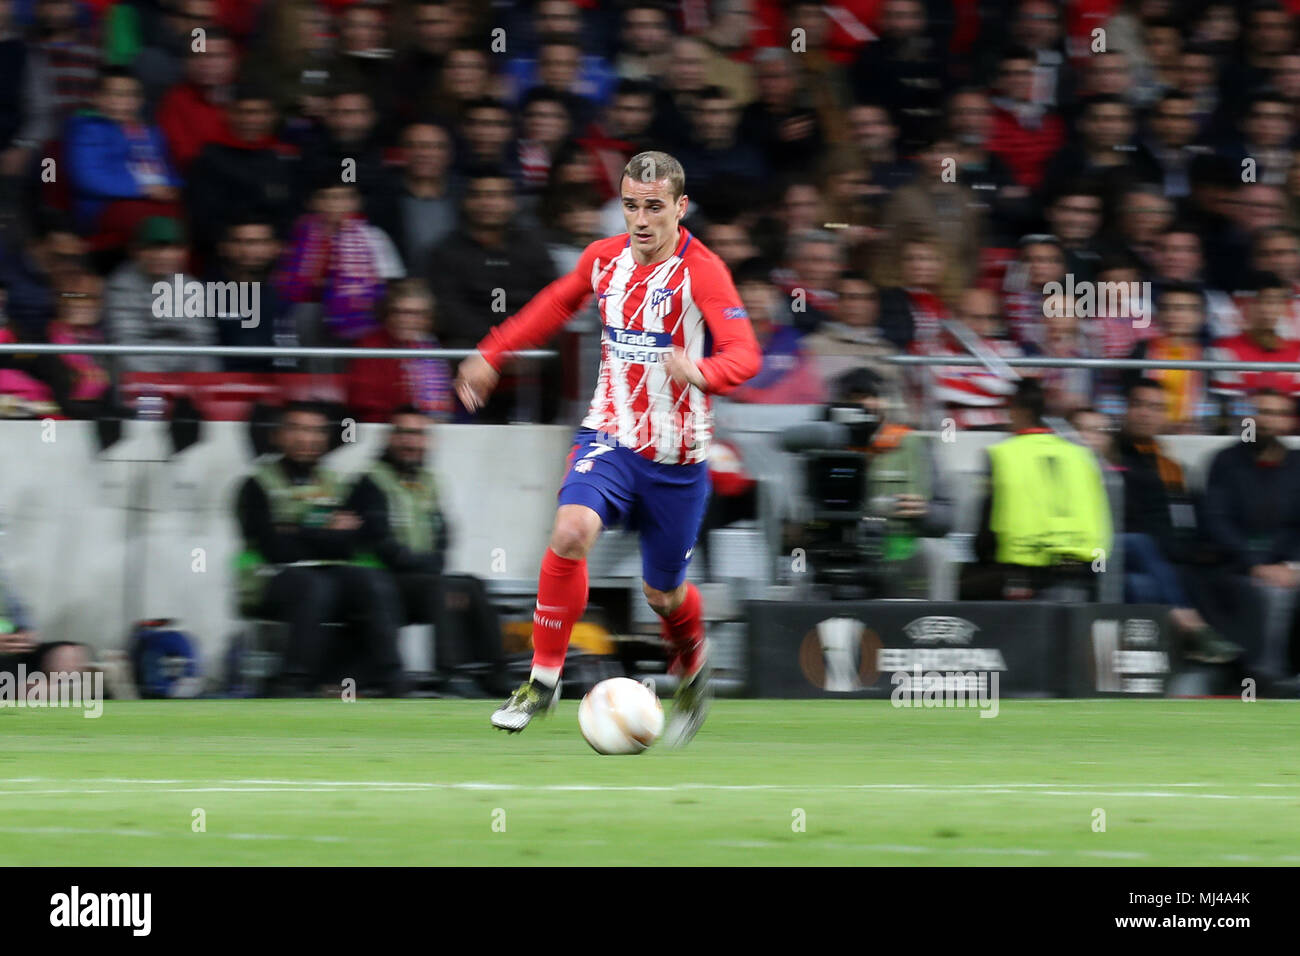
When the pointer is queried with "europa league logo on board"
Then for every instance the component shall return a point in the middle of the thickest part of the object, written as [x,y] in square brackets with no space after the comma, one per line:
[839,655]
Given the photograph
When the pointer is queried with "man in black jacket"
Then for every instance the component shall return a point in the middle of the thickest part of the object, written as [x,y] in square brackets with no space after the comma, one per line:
[484,272]
[403,529]
[296,566]
[1161,546]
[253,173]
[1252,511]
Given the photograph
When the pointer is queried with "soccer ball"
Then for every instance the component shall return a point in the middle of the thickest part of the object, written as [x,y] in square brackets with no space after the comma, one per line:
[620,716]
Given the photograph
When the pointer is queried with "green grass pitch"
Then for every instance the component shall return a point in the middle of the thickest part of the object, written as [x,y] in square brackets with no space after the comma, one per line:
[428,782]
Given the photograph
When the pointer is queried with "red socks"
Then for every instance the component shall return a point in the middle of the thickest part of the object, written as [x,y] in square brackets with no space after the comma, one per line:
[683,632]
[561,599]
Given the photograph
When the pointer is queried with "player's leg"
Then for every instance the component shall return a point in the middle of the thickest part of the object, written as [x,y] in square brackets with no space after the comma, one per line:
[561,601]
[670,513]
[596,492]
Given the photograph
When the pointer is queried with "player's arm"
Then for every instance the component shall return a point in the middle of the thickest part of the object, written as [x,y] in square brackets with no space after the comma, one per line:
[543,316]
[736,356]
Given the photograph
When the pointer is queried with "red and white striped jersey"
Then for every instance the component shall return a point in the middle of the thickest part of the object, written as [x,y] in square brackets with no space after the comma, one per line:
[687,301]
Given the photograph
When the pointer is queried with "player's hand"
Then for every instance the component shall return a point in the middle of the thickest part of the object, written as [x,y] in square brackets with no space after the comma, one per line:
[475,379]
[18,642]
[683,369]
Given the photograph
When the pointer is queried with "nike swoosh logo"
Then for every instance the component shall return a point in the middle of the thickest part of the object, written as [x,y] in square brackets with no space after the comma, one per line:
[551,608]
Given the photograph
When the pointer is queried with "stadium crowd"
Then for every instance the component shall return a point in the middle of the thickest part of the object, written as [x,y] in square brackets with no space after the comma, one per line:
[1014,178]
[873,172]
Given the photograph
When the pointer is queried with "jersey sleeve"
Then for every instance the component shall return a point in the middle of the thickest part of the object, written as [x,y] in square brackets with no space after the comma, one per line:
[736,357]
[544,315]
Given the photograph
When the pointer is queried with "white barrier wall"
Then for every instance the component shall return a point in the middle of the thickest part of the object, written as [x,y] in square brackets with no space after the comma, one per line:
[95,541]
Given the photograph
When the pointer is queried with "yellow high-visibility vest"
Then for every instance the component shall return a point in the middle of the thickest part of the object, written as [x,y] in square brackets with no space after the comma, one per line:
[1049,502]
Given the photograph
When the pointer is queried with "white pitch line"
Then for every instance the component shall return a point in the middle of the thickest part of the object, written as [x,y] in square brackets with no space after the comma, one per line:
[154,834]
[1174,790]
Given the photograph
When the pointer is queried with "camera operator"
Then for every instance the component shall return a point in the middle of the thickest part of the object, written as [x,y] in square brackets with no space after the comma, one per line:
[875,493]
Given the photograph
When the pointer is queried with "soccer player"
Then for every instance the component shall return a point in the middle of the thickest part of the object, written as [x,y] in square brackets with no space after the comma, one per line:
[674,332]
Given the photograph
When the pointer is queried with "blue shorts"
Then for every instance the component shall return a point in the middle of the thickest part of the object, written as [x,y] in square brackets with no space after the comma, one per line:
[664,503]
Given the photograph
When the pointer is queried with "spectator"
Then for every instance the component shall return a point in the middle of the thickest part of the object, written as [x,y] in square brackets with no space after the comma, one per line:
[1068,335]
[1266,303]
[943,206]
[1252,513]
[873,132]
[418,67]
[815,261]
[112,154]
[781,124]
[34,270]
[1025,134]
[1263,150]
[1276,249]
[161,61]
[466,79]
[730,240]
[788,375]
[366,56]
[247,254]
[1002,208]
[340,260]
[1041,262]
[347,148]
[623,132]
[157,256]
[1161,540]
[1165,155]
[27,383]
[914,308]
[1180,315]
[718,160]
[299,544]
[249,172]
[687,74]
[1040,527]
[78,321]
[1074,217]
[68,56]
[546,124]
[486,253]
[487,131]
[646,41]
[1178,259]
[973,397]
[376,386]
[193,113]
[904,70]
[404,530]
[852,338]
[1103,153]
[427,207]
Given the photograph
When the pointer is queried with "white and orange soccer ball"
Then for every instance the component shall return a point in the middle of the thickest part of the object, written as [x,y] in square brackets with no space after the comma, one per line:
[620,716]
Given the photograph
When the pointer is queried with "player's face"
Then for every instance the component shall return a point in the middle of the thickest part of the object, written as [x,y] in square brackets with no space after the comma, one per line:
[652,216]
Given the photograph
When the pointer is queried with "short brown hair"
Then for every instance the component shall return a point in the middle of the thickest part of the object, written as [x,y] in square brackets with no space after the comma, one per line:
[653,166]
